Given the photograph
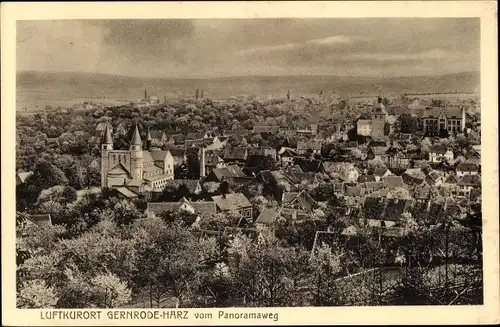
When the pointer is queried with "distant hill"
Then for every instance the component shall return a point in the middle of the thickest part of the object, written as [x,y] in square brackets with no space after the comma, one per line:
[43,88]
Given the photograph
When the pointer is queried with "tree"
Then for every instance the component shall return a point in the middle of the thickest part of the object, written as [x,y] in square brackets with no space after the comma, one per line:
[109,291]
[35,294]
[326,267]
[46,175]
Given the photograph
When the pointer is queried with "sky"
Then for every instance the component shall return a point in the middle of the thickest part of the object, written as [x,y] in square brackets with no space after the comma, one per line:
[179,48]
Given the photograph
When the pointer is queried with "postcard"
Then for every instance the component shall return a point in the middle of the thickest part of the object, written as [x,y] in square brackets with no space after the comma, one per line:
[249,163]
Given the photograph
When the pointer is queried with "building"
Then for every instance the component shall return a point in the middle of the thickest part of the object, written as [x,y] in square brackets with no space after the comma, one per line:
[199,208]
[451,119]
[134,168]
[234,203]
[467,168]
[375,126]
[439,153]
[468,183]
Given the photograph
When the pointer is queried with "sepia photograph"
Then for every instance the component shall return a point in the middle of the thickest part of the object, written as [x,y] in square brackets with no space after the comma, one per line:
[248,163]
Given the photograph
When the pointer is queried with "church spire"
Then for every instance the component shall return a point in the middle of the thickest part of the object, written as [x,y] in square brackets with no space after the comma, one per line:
[136,139]
[108,139]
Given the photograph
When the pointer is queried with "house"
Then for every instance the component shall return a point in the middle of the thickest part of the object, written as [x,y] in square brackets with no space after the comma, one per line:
[309,165]
[451,180]
[379,212]
[364,127]
[287,157]
[301,201]
[474,157]
[22,176]
[269,216]
[380,173]
[451,119]
[234,202]
[434,178]
[309,147]
[236,155]
[393,181]
[439,153]
[186,187]
[290,142]
[467,183]
[157,138]
[223,174]
[467,168]
[178,154]
[213,161]
[39,220]
[312,129]
[200,208]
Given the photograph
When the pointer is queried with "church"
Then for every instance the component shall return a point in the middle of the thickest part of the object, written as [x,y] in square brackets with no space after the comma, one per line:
[374,127]
[134,169]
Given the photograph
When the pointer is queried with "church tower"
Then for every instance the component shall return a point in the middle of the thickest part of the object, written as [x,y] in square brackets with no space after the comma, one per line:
[136,164]
[379,116]
[106,146]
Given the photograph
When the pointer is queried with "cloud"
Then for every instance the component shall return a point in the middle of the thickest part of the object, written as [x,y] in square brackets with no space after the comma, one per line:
[331,40]
[268,49]
[382,56]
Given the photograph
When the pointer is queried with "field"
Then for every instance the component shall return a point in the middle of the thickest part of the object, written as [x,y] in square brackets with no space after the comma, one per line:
[35,90]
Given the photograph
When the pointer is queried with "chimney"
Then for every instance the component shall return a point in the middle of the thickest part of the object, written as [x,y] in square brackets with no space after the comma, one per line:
[145,94]
[202,161]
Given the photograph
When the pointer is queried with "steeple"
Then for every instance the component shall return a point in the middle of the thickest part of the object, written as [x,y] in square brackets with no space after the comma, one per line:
[108,139]
[202,162]
[136,139]
[149,141]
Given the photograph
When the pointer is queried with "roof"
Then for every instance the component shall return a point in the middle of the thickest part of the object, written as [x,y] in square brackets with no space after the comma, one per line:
[203,208]
[107,135]
[190,184]
[146,156]
[119,169]
[412,180]
[41,220]
[364,122]
[470,180]
[232,201]
[195,136]
[237,153]
[358,190]
[422,192]
[177,152]
[310,144]
[136,138]
[374,186]
[308,165]
[467,167]
[156,134]
[415,172]
[393,181]
[379,150]
[156,177]
[439,149]
[236,132]
[452,179]
[288,153]
[449,111]
[434,175]
[381,172]
[24,175]
[126,192]
[158,155]
[268,216]
[302,197]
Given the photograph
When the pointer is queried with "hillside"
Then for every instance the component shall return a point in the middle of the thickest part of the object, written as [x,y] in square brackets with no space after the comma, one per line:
[42,88]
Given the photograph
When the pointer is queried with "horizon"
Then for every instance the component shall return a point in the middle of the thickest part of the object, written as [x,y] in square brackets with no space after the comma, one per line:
[213,48]
[241,76]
